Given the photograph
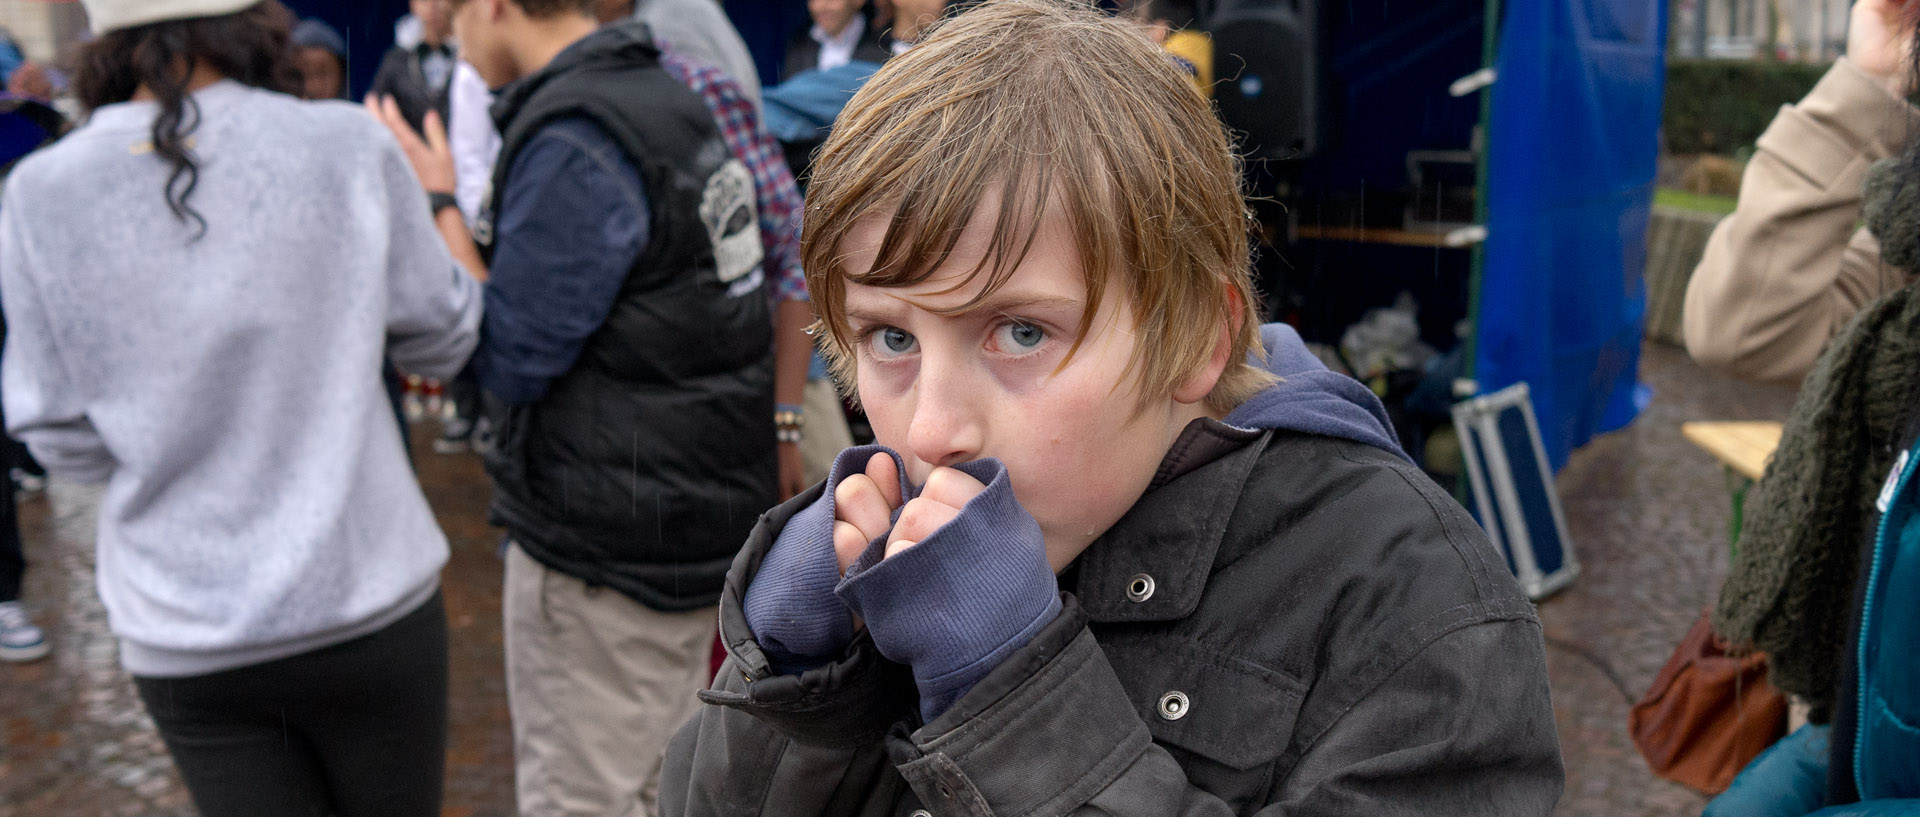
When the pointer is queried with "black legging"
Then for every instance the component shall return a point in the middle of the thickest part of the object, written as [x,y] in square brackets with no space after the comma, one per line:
[13,564]
[358,728]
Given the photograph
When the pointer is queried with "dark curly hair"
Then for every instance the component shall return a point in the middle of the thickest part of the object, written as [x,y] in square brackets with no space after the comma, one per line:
[248,46]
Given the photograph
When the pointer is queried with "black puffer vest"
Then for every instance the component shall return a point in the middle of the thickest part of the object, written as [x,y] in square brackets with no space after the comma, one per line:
[644,467]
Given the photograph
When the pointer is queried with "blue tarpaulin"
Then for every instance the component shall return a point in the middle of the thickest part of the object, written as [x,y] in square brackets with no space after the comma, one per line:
[1571,152]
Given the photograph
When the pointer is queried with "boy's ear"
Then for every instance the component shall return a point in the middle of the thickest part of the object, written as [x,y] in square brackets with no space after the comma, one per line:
[1200,384]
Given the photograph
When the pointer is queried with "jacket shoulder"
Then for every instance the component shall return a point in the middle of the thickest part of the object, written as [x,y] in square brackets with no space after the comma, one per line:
[1371,557]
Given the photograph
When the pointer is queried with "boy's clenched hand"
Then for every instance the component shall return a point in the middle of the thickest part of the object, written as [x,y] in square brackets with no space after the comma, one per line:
[948,578]
[864,505]
[948,582]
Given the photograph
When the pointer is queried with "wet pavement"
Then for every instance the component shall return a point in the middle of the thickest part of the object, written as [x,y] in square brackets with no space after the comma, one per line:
[1647,513]
[75,740]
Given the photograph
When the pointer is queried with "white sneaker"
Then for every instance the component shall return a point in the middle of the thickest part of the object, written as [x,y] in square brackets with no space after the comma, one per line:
[482,437]
[19,639]
[27,482]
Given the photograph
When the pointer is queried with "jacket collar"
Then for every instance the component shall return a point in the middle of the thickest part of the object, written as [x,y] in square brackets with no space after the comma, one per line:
[1153,564]
[629,41]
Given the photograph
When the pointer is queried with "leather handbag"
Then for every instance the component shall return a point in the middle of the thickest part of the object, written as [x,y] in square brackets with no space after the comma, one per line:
[1708,713]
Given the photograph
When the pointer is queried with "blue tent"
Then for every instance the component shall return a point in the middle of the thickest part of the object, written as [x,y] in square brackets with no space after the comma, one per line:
[1571,152]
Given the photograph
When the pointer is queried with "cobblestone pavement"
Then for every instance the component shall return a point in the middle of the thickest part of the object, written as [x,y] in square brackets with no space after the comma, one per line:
[75,740]
[1647,514]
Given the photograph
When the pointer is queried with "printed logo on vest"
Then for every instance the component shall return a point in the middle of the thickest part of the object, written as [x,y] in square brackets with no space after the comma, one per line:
[727,208]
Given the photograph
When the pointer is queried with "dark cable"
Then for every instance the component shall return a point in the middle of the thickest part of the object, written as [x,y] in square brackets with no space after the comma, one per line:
[1599,663]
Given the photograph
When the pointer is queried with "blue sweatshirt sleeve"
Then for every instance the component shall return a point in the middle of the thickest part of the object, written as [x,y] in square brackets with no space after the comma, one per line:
[960,601]
[790,606]
[572,221]
[951,607]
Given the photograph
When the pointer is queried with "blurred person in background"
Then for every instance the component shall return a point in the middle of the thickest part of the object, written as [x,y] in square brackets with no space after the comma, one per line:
[200,284]
[1792,264]
[320,54]
[627,355]
[838,32]
[25,125]
[779,207]
[416,72]
[697,28]
[1827,578]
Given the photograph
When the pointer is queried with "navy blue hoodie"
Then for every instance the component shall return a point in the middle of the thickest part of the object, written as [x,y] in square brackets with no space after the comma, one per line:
[978,588]
[1312,399]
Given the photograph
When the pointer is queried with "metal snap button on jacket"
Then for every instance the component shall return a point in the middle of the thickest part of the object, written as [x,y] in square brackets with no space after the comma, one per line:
[1140,587]
[1174,705]
[921,813]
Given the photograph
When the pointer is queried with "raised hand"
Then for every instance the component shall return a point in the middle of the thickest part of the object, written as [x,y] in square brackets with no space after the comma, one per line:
[863,508]
[946,492]
[1880,42]
[431,157]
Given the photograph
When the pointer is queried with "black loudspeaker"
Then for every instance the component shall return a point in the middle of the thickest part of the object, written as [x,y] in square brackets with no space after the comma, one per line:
[1267,74]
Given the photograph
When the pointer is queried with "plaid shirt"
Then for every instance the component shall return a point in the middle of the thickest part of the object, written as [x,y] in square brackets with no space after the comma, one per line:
[779,199]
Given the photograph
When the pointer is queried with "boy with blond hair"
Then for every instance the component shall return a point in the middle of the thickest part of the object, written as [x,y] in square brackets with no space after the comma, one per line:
[1119,549]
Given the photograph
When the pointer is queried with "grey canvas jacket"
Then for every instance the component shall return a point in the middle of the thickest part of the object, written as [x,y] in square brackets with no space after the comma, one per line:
[1284,624]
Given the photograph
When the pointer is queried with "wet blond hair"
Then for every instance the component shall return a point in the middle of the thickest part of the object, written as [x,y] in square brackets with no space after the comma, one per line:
[1050,107]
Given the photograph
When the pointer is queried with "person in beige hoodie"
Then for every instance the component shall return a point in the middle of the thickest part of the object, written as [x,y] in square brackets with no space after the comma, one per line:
[1791,265]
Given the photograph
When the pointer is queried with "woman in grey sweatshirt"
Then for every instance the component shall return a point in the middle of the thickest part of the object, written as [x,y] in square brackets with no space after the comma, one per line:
[200,285]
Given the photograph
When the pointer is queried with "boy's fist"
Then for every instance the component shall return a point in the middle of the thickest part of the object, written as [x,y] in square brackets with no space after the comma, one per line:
[863,508]
[864,504]
[947,491]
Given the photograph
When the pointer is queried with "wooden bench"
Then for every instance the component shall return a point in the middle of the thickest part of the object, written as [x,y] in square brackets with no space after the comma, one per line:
[1743,448]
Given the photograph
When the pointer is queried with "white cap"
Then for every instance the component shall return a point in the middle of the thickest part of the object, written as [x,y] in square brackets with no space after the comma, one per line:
[113,15]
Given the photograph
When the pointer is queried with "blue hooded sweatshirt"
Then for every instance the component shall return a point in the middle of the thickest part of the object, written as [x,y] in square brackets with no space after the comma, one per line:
[1312,399]
[958,602]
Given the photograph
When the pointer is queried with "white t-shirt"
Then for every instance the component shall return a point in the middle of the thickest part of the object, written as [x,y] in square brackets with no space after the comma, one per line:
[472,138]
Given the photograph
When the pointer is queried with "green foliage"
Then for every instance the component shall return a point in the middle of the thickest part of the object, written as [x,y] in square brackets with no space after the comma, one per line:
[1680,199]
[1721,106]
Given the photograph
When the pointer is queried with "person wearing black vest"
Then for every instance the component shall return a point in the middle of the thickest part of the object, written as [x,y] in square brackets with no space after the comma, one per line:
[627,350]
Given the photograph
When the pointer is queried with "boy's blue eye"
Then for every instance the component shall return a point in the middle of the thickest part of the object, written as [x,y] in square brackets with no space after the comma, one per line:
[894,341]
[1020,337]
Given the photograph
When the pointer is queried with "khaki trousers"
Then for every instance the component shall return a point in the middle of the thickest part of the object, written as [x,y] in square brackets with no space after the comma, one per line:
[826,433]
[597,683]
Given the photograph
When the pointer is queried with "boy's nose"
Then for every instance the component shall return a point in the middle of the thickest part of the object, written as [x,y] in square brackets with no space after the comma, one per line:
[947,427]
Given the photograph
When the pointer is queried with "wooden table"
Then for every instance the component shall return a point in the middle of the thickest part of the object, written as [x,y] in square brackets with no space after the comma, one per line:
[1743,448]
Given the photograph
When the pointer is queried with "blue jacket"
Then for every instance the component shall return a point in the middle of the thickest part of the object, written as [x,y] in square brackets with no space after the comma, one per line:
[803,108]
[1875,742]
[1885,749]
